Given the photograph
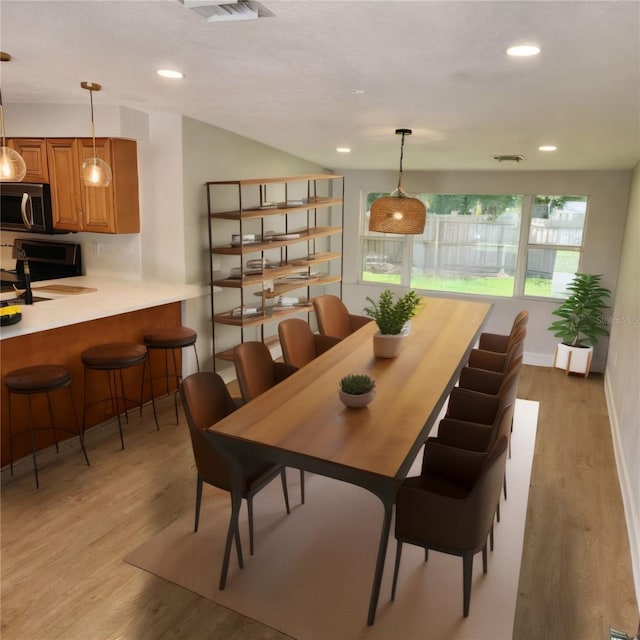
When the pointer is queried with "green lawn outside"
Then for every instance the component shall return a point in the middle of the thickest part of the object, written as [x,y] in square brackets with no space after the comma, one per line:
[493,286]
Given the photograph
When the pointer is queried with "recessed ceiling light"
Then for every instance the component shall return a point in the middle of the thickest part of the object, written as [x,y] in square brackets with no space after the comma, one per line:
[170,73]
[523,50]
[547,147]
[343,150]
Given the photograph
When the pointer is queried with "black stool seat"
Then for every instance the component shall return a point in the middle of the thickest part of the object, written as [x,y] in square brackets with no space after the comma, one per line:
[38,379]
[170,338]
[114,355]
[41,378]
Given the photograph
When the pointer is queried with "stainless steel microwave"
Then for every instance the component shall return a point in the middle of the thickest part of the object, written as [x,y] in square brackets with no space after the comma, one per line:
[26,206]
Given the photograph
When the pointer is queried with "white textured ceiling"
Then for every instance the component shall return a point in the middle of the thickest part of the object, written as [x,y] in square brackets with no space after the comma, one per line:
[438,68]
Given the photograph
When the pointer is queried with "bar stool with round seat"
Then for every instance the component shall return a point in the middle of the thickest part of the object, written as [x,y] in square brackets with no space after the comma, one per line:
[113,358]
[169,339]
[28,381]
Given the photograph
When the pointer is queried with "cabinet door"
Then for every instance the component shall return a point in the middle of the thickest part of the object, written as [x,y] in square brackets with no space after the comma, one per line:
[98,210]
[34,152]
[64,174]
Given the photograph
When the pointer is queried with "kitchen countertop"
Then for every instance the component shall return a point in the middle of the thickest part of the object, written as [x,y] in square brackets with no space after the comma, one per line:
[112,297]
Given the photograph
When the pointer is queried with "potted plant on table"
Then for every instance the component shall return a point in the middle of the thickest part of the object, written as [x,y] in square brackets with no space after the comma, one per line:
[392,318]
[581,323]
[357,390]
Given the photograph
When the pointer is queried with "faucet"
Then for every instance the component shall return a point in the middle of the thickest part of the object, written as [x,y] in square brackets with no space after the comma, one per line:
[28,294]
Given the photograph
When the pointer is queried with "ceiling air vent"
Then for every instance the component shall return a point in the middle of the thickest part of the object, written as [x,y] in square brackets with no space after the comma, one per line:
[509,158]
[227,10]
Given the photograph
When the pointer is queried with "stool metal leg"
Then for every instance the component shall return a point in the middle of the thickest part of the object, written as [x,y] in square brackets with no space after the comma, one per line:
[117,409]
[178,377]
[10,436]
[75,418]
[53,424]
[33,443]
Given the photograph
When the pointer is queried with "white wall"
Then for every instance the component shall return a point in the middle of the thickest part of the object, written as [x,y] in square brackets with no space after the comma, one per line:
[608,193]
[622,376]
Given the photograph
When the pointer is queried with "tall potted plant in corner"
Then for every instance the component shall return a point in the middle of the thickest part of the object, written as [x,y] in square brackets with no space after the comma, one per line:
[392,318]
[581,323]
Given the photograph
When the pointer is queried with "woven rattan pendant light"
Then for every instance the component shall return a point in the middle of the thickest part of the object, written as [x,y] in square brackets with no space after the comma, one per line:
[398,212]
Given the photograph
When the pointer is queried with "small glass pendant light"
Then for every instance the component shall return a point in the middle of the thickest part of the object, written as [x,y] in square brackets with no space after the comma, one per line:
[13,168]
[95,171]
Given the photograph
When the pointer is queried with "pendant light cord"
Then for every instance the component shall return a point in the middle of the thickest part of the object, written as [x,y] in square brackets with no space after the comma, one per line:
[93,128]
[2,119]
[400,193]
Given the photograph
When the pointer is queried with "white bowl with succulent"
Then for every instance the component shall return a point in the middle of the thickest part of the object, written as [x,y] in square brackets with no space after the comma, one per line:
[357,390]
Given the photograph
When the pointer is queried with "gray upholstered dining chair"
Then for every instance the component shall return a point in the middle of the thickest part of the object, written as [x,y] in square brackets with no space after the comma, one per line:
[206,400]
[450,506]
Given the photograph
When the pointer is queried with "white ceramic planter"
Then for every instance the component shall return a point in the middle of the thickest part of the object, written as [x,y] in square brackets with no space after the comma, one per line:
[356,401]
[388,346]
[573,359]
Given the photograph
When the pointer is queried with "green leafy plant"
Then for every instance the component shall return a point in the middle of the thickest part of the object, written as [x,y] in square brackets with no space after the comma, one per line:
[581,322]
[357,384]
[391,316]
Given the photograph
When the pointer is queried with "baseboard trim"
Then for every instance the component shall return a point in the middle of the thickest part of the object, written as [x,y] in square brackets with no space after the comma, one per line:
[631,515]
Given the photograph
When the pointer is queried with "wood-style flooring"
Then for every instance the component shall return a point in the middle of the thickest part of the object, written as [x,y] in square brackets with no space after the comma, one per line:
[63,576]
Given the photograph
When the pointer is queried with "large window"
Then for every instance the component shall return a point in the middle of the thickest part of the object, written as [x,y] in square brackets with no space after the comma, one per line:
[475,244]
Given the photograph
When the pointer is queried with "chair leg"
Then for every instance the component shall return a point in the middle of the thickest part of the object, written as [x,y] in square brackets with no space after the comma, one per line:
[426,554]
[484,558]
[250,510]
[177,377]
[285,489]
[396,569]
[198,502]
[301,486]
[498,512]
[467,572]
[504,485]
[491,537]
[232,531]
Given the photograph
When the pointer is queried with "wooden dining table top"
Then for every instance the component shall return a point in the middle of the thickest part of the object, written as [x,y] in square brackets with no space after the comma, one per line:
[303,414]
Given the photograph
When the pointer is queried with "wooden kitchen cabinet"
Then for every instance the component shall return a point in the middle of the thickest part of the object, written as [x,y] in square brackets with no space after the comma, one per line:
[112,209]
[34,152]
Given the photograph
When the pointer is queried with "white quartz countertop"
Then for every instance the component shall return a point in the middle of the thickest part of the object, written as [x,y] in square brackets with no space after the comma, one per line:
[112,297]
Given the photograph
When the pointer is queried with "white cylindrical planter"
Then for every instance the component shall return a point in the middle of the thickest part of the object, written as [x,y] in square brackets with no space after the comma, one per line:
[387,346]
[573,359]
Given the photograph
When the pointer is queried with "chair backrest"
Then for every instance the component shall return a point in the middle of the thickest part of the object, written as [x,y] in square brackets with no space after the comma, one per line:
[332,316]
[206,400]
[297,341]
[254,368]
[520,321]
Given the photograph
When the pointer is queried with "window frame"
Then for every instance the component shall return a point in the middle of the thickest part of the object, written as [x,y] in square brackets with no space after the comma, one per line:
[522,253]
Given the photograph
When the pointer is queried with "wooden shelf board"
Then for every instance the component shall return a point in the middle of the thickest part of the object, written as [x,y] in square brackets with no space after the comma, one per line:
[255,321]
[304,178]
[314,232]
[262,213]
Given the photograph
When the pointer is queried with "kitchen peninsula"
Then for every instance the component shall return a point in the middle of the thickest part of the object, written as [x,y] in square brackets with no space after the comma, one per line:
[57,330]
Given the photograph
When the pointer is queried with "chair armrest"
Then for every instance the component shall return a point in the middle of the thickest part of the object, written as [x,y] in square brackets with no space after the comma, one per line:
[358,321]
[494,342]
[283,370]
[481,380]
[465,435]
[481,359]
[472,406]
[324,343]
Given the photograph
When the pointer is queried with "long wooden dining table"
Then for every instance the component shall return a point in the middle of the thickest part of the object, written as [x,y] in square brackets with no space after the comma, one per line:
[301,422]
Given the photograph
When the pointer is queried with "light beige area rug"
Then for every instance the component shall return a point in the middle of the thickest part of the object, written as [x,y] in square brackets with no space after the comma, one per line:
[311,573]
